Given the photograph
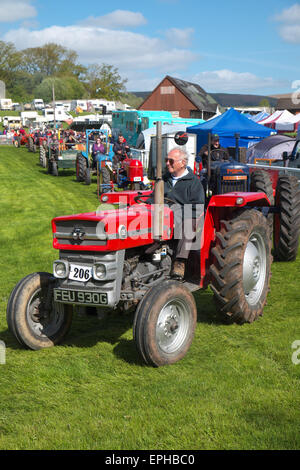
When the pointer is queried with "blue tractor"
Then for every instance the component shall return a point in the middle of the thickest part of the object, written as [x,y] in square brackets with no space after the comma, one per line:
[86,165]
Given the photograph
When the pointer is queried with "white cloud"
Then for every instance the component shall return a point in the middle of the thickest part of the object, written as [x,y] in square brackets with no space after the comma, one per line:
[228,81]
[124,49]
[179,37]
[289,15]
[290,28]
[12,11]
[117,19]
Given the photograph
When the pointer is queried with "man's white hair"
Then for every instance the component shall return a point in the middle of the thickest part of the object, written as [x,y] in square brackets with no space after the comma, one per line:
[183,154]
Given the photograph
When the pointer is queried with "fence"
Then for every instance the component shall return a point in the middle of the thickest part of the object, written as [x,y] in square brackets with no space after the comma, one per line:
[4,140]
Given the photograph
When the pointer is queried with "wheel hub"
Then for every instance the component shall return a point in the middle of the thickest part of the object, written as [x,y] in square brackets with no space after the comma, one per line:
[254,268]
[171,325]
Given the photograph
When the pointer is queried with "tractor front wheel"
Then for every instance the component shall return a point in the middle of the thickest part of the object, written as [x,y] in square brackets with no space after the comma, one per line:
[104,180]
[33,317]
[287,221]
[240,274]
[164,323]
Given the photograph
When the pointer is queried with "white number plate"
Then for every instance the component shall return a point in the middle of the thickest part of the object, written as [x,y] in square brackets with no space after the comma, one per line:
[137,178]
[80,273]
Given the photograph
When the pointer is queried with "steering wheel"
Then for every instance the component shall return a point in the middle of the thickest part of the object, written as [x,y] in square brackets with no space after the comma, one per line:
[221,155]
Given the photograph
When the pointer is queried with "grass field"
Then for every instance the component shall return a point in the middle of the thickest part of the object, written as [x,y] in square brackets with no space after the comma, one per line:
[237,388]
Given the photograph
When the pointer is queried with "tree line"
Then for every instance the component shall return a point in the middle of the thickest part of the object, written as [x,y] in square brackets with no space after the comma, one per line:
[30,73]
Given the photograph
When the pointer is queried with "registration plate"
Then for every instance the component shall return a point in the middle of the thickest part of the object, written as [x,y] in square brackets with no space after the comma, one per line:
[137,178]
[80,297]
[80,273]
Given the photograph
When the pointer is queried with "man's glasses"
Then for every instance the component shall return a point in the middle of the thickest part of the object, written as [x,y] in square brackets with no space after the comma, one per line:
[172,161]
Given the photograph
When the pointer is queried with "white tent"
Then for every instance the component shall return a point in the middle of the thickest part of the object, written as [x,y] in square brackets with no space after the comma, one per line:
[288,123]
[270,119]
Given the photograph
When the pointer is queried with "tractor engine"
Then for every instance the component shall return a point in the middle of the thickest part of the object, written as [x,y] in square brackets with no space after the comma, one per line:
[134,170]
[227,177]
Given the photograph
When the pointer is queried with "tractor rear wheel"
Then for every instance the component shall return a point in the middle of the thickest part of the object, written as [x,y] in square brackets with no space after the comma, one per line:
[261,182]
[81,167]
[104,180]
[54,169]
[241,271]
[33,317]
[287,221]
[164,323]
[43,159]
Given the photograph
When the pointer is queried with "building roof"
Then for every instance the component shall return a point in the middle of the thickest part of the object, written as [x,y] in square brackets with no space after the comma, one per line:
[287,103]
[196,94]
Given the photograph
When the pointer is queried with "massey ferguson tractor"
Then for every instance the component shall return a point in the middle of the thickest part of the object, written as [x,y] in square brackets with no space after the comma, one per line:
[121,256]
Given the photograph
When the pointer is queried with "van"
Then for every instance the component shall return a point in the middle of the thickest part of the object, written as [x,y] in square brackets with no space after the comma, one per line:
[5,103]
[38,104]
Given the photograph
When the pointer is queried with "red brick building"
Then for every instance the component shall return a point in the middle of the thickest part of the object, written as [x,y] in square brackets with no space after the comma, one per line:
[184,99]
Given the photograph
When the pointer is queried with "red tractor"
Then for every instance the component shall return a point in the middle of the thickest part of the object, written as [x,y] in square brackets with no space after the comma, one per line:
[127,175]
[122,256]
[21,139]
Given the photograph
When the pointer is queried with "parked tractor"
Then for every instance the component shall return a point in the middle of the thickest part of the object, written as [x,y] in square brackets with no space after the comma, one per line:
[121,256]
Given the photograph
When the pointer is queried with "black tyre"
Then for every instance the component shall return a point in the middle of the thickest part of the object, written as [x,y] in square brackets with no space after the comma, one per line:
[137,186]
[241,271]
[164,323]
[36,321]
[30,144]
[34,148]
[104,180]
[87,176]
[17,143]
[261,182]
[43,158]
[81,166]
[287,221]
[54,169]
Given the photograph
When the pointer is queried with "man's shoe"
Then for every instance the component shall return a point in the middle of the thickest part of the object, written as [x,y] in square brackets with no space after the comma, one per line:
[178,270]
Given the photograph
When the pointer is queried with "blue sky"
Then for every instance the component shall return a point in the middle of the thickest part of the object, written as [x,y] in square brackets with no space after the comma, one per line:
[224,46]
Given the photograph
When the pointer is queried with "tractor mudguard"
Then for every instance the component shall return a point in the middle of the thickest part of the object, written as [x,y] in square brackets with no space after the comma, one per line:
[221,207]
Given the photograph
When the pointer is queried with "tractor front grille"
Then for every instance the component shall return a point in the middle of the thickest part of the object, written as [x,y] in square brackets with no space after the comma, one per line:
[234,184]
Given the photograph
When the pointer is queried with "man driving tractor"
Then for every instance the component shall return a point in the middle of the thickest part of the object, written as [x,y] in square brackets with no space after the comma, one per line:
[217,152]
[121,151]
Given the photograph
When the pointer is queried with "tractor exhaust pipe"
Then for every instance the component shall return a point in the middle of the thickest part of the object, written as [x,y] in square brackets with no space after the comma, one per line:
[158,222]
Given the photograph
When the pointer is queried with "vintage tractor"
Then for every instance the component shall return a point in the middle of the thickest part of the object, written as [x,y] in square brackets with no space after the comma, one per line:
[21,139]
[59,154]
[36,141]
[121,256]
[85,166]
[127,174]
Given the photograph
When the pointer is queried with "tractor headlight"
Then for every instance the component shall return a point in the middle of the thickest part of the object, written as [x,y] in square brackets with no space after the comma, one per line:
[122,231]
[61,269]
[99,271]
[239,201]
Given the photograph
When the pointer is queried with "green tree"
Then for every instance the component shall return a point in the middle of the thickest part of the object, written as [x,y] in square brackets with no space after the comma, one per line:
[104,81]
[264,103]
[10,60]
[51,60]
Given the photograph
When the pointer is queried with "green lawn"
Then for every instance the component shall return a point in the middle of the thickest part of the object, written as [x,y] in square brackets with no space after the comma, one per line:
[237,388]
